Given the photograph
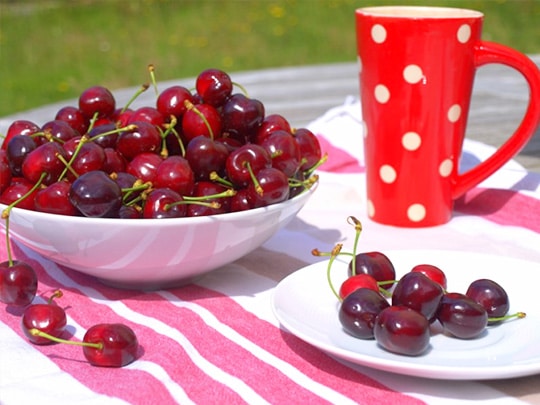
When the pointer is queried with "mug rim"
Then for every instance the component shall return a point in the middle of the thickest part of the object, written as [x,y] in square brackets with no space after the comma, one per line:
[418,12]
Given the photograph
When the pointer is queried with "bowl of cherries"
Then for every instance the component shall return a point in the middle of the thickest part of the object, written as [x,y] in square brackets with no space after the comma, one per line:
[155,196]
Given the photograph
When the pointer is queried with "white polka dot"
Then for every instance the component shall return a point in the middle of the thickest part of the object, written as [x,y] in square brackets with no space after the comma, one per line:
[416,212]
[445,168]
[464,33]
[387,173]
[370,208]
[454,113]
[378,33]
[411,141]
[382,94]
[413,74]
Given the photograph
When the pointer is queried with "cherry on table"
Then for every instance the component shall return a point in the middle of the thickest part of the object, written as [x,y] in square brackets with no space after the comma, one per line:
[376,264]
[432,272]
[356,282]
[491,295]
[18,283]
[49,318]
[461,316]
[359,310]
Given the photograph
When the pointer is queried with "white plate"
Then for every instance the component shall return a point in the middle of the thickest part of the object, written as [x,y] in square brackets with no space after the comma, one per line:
[305,305]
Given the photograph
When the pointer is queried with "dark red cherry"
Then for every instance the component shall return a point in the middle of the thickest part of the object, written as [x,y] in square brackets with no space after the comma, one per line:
[164,203]
[205,189]
[88,157]
[272,187]
[54,199]
[271,123]
[402,330]
[95,194]
[462,317]
[359,310]
[20,127]
[175,173]
[118,345]
[44,159]
[5,171]
[97,100]
[375,264]
[214,86]
[145,138]
[418,292]
[244,161]
[284,152]
[432,272]
[206,156]
[240,201]
[201,119]
[310,148]
[144,166]
[104,135]
[18,188]
[18,283]
[49,318]
[148,114]
[18,148]
[172,101]
[491,295]
[74,118]
[242,117]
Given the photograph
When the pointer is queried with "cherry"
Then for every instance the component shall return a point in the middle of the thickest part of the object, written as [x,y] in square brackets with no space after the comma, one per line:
[144,137]
[104,345]
[402,330]
[104,135]
[359,310]
[44,159]
[59,130]
[491,296]
[206,189]
[74,117]
[271,187]
[19,127]
[18,283]
[432,272]
[172,101]
[201,119]
[418,292]
[358,281]
[242,116]
[148,114]
[54,199]
[240,201]
[284,152]
[376,264]
[271,123]
[84,157]
[246,161]
[19,188]
[116,345]
[5,171]
[18,148]
[49,318]
[144,166]
[461,316]
[206,156]
[97,100]
[175,173]
[164,203]
[309,146]
[214,86]
[115,162]
[95,194]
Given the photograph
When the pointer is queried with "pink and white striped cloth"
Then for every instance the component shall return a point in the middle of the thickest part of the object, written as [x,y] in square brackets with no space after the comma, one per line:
[217,341]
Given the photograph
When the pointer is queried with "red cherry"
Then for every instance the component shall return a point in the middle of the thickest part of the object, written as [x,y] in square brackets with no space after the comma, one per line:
[242,117]
[144,166]
[310,148]
[19,127]
[44,159]
[18,283]
[164,203]
[271,123]
[432,272]
[17,150]
[148,114]
[117,345]
[491,296]
[272,187]
[206,156]
[97,100]
[172,101]
[96,195]
[144,138]
[74,117]
[204,189]
[18,188]
[462,317]
[358,281]
[54,199]
[284,152]
[376,264]
[214,86]
[48,318]
[201,119]
[359,310]
[5,171]
[175,173]
[245,161]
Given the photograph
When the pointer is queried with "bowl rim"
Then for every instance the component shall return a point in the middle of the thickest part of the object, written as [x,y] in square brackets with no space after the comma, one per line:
[137,222]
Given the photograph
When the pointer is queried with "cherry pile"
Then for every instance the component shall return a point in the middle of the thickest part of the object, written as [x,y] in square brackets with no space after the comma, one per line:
[401,315]
[104,345]
[197,152]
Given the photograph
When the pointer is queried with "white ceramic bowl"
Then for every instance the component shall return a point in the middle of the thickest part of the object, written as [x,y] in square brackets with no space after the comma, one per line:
[150,253]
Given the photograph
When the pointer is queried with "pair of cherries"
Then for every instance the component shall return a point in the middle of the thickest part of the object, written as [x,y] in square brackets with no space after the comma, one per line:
[104,345]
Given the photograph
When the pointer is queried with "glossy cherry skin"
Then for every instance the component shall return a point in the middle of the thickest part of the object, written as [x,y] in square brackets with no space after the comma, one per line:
[402,330]
[358,281]
[19,127]
[148,114]
[74,118]
[432,272]
[193,123]
[240,201]
[206,156]
[145,138]
[120,345]
[96,195]
[462,317]
[270,124]
[284,152]
[375,264]
[491,295]
[5,171]
[175,173]
[172,101]
[97,100]
[310,148]
[88,156]
[214,86]
[54,199]
[242,116]
[204,189]
[144,166]
[48,318]
[359,310]
[18,188]
[274,188]
[418,292]
[164,203]
[44,159]
[18,283]
[18,148]
[58,129]
[240,161]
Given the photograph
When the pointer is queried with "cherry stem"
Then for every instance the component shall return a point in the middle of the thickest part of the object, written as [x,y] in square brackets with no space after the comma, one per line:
[317,252]
[256,183]
[92,122]
[358,230]
[335,252]
[242,88]
[519,315]
[141,90]
[6,213]
[321,161]
[152,70]
[227,193]
[56,294]
[40,333]
[215,177]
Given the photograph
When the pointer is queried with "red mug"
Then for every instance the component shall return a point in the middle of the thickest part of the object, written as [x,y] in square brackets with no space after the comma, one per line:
[417,67]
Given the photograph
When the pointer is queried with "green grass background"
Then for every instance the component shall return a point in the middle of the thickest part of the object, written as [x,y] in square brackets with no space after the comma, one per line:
[52,50]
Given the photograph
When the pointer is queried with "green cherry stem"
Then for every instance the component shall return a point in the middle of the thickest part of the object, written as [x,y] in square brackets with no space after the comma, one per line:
[190,106]
[335,253]
[358,230]
[152,71]
[519,315]
[37,332]
[141,90]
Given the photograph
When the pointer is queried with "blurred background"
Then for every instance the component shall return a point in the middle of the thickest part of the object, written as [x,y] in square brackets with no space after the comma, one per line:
[51,50]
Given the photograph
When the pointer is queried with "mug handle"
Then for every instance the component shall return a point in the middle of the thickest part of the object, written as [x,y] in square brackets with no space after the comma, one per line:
[489,52]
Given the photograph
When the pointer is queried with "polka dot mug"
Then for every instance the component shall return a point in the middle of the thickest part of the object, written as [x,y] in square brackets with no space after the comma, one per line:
[416,69]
